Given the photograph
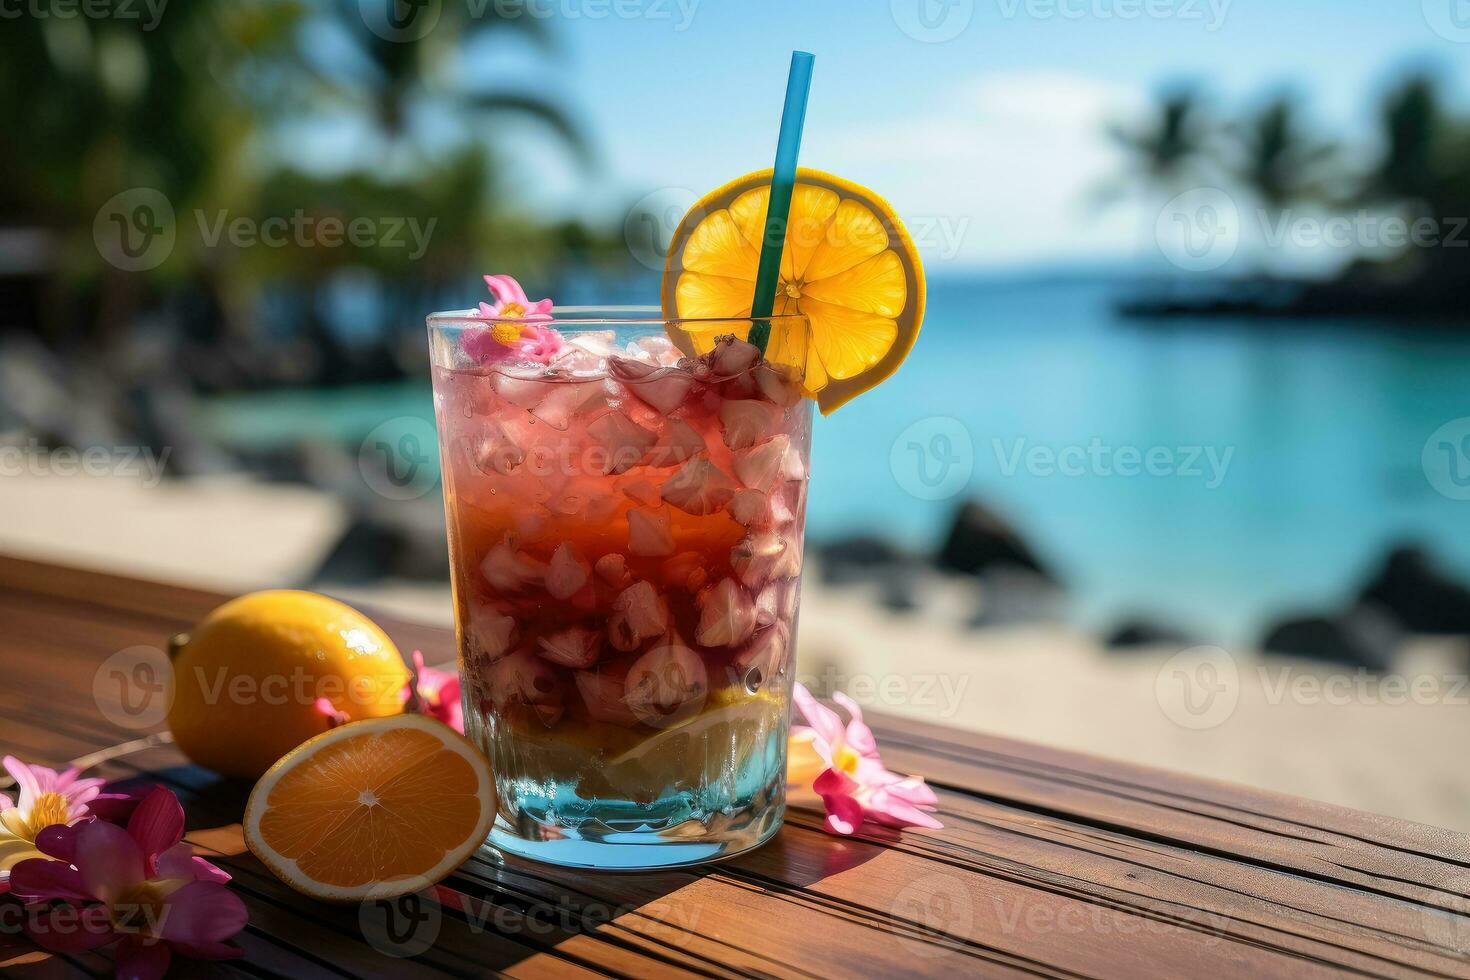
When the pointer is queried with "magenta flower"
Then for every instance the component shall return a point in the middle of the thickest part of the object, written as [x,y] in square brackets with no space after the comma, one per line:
[526,339]
[142,888]
[855,786]
[47,797]
[434,693]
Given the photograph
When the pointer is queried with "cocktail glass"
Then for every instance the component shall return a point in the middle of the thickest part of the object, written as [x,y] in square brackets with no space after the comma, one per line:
[625,536]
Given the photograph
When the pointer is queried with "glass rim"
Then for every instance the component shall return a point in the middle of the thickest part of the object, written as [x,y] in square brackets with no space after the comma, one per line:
[587,317]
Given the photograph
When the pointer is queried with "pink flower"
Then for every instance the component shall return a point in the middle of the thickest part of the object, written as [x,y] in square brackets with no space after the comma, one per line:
[47,797]
[526,338]
[434,693]
[141,887]
[326,708]
[855,786]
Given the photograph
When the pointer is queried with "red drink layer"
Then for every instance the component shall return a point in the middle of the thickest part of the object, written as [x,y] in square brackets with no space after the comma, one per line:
[626,542]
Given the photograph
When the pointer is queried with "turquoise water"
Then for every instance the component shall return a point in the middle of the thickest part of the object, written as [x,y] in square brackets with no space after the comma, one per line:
[1317,432]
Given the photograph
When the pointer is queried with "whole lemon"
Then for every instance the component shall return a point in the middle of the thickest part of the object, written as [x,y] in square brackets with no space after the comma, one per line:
[248,678]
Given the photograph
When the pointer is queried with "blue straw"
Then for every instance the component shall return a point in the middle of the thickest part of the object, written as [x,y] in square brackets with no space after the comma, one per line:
[783,181]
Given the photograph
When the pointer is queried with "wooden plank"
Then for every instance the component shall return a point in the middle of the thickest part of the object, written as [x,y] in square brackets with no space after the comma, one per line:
[1051,863]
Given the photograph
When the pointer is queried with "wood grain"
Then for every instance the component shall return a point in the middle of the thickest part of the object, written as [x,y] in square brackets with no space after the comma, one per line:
[1050,864]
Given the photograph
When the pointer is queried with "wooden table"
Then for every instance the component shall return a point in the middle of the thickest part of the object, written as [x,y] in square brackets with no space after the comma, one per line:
[1050,863]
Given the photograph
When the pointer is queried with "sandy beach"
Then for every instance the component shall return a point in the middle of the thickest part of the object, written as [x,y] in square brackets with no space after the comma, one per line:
[1388,744]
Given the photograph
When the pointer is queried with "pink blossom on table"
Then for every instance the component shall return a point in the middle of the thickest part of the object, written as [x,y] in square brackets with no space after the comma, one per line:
[855,785]
[139,887]
[434,693]
[335,718]
[116,803]
[47,798]
[529,338]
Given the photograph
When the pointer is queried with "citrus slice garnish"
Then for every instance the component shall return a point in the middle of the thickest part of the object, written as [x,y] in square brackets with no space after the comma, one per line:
[373,809]
[847,264]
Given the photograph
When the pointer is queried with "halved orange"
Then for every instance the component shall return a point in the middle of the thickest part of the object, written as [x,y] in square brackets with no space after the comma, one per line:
[373,809]
[847,264]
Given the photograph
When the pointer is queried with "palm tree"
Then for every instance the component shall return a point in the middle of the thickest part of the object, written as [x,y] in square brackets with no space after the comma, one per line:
[1280,162]
[1169,148]
[393,87]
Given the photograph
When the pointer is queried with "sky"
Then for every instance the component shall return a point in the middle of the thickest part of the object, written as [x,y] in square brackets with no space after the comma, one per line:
[981,120]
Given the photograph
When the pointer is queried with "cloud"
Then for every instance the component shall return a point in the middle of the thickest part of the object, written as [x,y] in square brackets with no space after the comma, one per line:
[1000,169]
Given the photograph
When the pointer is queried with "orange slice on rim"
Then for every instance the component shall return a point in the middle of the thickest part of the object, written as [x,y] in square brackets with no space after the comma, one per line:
[847,264]
[373,809]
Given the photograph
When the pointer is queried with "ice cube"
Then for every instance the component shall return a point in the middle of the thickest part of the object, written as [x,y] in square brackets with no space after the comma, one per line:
[748,422]
[522,391]
[699,488]
[667,685]
[495,451]
[574,646]
[642,492]
[639,614]
[680,443]
[602,691]
[567,573]
[733,356]
[491,633]
[757,556]
[760,466]
[777,384]
[789,564]
[726,615]
[599,344]
[523,678]
[650,532]
[613,569]
[624,442]
[660,348]
[530,520]
[565,399]
[751,508]
[509,570]
[685,571]
[662,388]
[762,660]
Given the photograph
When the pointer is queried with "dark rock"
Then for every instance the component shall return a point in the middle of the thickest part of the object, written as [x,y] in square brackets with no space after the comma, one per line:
[1419,594]
[1010,595]
[1364,636]
[1141,632]
[863,558]
[979,539]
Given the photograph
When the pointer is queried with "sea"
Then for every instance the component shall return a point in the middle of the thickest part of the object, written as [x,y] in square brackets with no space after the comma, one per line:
[1215,474]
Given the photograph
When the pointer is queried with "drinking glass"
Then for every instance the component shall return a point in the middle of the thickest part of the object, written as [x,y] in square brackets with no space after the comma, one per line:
[625,536]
